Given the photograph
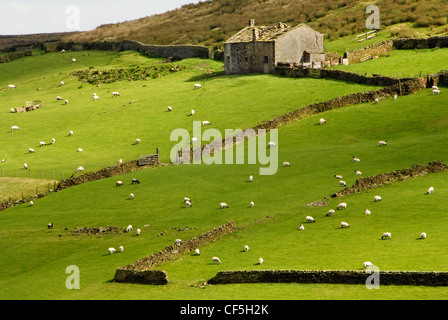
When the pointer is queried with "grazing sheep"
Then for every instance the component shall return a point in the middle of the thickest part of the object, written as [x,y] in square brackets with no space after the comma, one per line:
[251,178]
[197,86]
[31,203]
[59,98]
[115,94]
[342,183]
[121,248]
[187,199]
[188,204]
[286,164]
[4,160]
[216,259]
[63,51]
[377,198]
[356,159]
[31,150]
[42,143]
[430,190]
[80,168]
[386,235]
[246,248]
[423,235]
[435,87]
[342,205]
[272,144]
[137,141]
[53,140]
[223,205]
[11,86]
[197,252]
[309,219]
[170,109]
[322,121]
[118,183]
[260,261]
[50,225]
[62,83]
[73,60]
[80,150]
[95,97]
[12,110]
[252,204]
[436,91]
[178,241]
[135,180]
[357,172]
[330,212]
[337,176]
[367,211]
[382,143]
[206,123]
[344,225]
[14,128]
[25,166]
[367,264]
[301,228]
[192,113]
[138,232]
[120,161]
[112,250]
[129,228]
[377,100]
[65,101]
[395,97]
[131,196]
[70,133]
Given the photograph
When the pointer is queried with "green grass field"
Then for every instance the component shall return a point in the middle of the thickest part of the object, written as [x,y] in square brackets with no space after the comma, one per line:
[33,259]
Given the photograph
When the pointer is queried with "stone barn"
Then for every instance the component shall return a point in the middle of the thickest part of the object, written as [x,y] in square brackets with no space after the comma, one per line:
[260,49]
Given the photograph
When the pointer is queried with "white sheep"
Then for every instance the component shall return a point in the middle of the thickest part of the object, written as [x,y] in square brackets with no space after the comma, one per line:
[121,248]
[356,159]
[223,205]
[53,140]
[377,100]
[197,252]
[118,183]
[430,190]
[177,241]
[436,91]
[62,83]
[95,97]
[3,160]
[14,128]
[11,86]
[301,228]
[31,150]
[12,110]
[252,204]
[330,212]
[187,199]
[216,259]
[272,144]
[367,211]
[435,87]
[344,224]
[251,178]
[357,172]
[31,203]
[338,176]
[115,94]
[65,101]
[194,140]
[260,261]
[80,150]
[138,232]
[341,206]
[70,133]
[42,143]
[395,97]
[131,196]
[246,248]
[322,121]
[80,168]
[120,161]
[309,219]
[377,198]
[197,86]
[112,250]
[25,165]
[59,98]
[342,183]
[206,123]
[129,228]
[73,60]
[137,141]
[188,204]
[192,113]
[286,164]
[382,143]
[63,51]
[423,235]
[170,109]
[367,264]
[386,235]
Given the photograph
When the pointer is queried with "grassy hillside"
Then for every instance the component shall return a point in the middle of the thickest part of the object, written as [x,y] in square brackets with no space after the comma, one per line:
[107,129]
[33,259]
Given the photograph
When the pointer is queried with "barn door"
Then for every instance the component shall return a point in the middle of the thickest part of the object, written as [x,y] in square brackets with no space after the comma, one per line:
[266,64]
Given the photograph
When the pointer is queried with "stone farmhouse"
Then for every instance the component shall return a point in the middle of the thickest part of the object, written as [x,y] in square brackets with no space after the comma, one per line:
[260,49]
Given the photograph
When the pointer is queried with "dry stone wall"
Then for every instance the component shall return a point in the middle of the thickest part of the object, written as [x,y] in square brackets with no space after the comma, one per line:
[413,278]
